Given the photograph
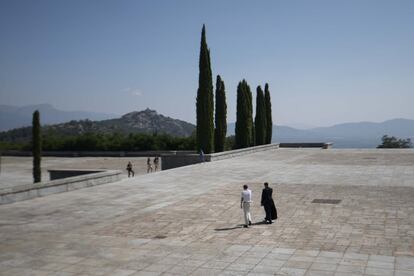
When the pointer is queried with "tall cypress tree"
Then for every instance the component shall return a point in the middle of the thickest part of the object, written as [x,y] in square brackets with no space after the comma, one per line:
[240,130]
[36,147]
[205,101]
[249,107]
[268,108]
[260,119]
[250,114]
[221,116]
[244,122]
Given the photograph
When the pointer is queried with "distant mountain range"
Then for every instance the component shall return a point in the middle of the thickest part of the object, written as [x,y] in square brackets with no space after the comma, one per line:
[146,121]
[348,135]
[15,117]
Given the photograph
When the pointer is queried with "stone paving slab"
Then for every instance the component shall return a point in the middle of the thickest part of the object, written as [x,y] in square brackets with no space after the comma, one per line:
[368,220]
[187,221]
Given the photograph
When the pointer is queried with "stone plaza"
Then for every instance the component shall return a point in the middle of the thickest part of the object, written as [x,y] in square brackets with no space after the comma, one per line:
[188,221]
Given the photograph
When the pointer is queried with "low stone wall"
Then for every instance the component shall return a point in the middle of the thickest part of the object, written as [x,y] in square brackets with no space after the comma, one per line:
[306,145]
[174,161]
[65,173]
[171,161]
[29,191]
[239,152]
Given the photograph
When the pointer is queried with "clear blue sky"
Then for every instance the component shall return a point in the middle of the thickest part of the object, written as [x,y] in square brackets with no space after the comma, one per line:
[326,62]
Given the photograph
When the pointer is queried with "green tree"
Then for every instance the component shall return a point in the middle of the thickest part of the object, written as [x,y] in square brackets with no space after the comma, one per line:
[205,101]
[260,119]
[249,107]
[221,116]
[36,147]
[394,143]
[244,117]
[268,109]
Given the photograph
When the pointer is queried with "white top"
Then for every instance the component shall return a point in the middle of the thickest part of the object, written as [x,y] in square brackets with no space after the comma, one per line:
[246,195]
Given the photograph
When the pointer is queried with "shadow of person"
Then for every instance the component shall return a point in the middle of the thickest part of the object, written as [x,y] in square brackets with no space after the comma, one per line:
[259,222]
[229,228]
[239,226]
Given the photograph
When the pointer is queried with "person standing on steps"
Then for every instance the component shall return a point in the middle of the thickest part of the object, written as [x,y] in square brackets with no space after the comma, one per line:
[268,203]
[246,200]
[129,169]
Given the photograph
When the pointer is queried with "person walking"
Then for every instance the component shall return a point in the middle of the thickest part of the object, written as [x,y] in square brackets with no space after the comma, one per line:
[268,204]
[130,170]
[156,162]
[149,165]
[246,200]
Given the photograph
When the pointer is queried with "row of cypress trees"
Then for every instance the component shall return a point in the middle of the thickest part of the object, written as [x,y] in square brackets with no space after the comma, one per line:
[244,116]
[247,133]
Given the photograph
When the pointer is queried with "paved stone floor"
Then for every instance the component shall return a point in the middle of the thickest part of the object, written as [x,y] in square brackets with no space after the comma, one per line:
[187,221]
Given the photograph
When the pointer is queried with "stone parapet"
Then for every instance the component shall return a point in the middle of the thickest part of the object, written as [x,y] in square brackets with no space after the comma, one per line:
[239,152]
[171,161]
[306,145]
[65,173]
[29,191]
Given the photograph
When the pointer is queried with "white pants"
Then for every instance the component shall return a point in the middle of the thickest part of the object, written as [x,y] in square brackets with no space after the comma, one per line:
[246,210]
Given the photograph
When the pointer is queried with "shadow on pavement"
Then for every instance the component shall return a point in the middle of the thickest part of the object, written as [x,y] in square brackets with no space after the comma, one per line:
[239,226]
[230,228]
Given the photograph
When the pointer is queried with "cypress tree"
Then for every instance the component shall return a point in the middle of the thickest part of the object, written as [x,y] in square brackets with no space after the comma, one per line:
[205,101]
[221,116]
[240,120]
[268,108]
[260,119]
[36,147]
[250,115]
[244,121]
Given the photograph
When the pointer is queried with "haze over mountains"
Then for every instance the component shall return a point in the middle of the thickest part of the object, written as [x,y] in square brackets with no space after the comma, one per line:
[15,117]
[347,135]
[146,121]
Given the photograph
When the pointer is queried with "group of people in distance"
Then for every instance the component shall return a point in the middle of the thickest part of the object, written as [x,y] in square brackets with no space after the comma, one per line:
[151,166]
[267,202]
[155,163]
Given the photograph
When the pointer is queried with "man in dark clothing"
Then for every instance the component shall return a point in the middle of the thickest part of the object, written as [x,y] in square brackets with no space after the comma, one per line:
[268,203]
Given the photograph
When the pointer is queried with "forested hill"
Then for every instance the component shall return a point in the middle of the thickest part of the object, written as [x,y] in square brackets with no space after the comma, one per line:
[146,121]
